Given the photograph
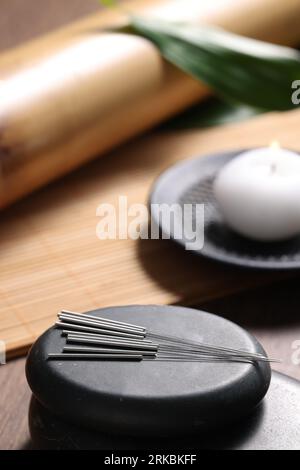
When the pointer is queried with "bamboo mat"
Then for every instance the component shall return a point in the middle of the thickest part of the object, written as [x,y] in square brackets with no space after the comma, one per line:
[50,257]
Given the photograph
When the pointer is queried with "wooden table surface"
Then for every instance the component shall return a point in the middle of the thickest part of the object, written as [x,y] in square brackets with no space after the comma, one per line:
[271,313]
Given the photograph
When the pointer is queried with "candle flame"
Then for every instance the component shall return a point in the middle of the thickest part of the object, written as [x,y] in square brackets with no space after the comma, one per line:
[275,145]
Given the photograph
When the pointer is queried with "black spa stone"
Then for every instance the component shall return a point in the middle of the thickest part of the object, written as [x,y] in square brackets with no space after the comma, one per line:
[273,425]
[151,398]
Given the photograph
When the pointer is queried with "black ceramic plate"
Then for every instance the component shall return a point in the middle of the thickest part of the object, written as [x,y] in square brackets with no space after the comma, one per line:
[191,182]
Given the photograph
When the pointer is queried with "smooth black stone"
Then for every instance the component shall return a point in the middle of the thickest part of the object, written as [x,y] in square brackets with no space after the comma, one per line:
[273,425]
[151,398]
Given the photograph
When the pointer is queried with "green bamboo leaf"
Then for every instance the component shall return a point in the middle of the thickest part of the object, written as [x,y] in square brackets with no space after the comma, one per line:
[212,112]
[240,69]
[108,3]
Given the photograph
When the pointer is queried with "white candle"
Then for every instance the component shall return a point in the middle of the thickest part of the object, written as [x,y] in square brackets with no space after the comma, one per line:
[259,193]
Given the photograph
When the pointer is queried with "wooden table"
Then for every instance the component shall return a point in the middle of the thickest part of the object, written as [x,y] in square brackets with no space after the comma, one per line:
[271,313]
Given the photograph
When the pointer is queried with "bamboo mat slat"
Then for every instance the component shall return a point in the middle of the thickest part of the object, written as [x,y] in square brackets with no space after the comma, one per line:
[50,257]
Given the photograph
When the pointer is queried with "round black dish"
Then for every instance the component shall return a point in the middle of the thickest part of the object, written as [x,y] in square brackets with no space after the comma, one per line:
[151,398]
[191,182]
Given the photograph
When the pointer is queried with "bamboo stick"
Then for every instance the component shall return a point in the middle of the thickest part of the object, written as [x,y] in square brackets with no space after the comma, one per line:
[79,92]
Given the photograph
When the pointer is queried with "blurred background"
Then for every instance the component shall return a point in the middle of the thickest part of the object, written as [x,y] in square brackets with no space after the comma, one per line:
[24,19]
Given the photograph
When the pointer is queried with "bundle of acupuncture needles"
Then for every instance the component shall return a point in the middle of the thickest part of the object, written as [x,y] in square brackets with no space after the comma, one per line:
[94,338]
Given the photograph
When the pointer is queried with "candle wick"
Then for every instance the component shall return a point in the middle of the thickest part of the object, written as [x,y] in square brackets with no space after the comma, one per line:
[273,168]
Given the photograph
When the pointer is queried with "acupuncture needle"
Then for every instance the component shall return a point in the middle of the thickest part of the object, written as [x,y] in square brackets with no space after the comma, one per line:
[224,357]
[82,339]
[124,344]
[162,347]
[77,334]
[160,350]
[176,340]
[76,317]
[217,351]
[92,317]
[102,325]
[201,360]
[81,349]
[89,329]
[165,352]
[101,357]
[205,349]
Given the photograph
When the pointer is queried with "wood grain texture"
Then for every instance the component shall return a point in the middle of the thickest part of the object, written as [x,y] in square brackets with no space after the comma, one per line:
[51,258]
[14,401]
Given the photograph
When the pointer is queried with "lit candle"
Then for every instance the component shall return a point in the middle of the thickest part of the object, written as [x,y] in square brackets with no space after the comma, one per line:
[259,193]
